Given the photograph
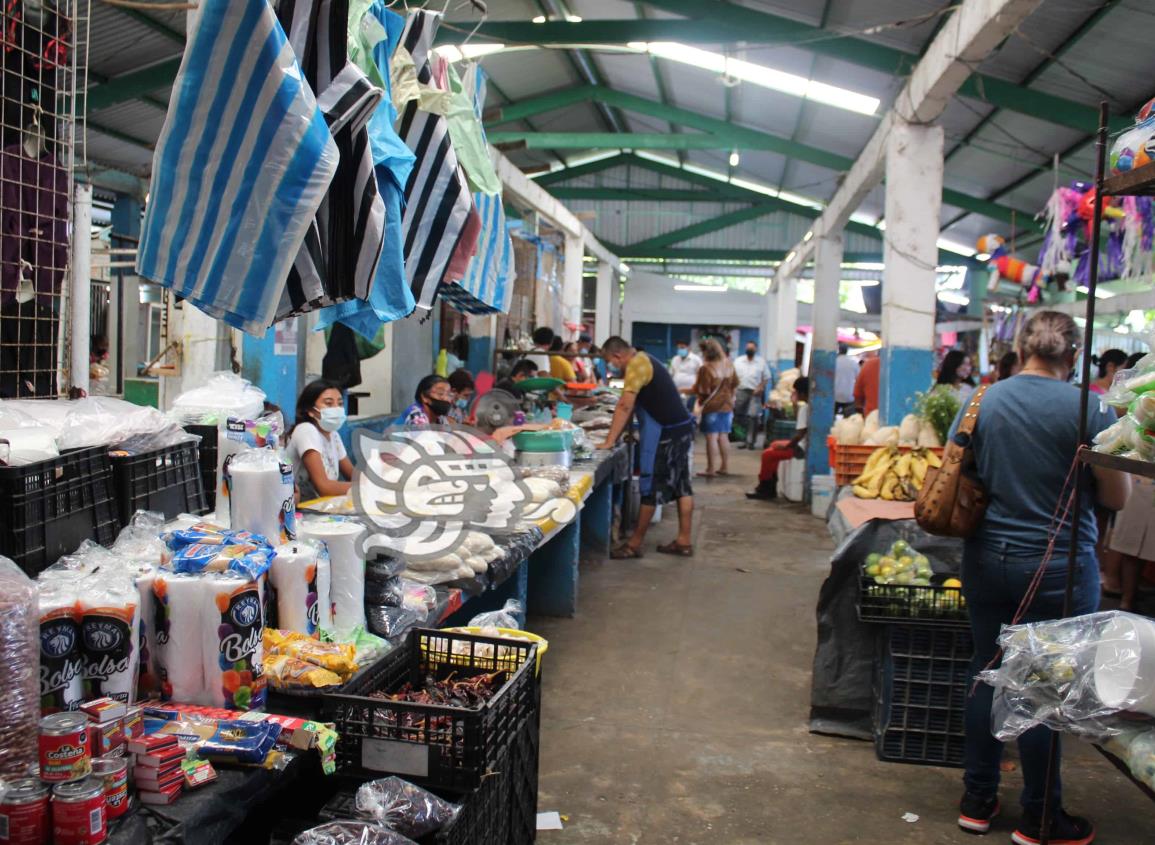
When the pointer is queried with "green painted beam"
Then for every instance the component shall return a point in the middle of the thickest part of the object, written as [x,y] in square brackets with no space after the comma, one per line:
[990,208]
[706,254]
[153,24]
[540,105]
[663,141]
[721,194]
[725,23]
[132,86]
[567,173]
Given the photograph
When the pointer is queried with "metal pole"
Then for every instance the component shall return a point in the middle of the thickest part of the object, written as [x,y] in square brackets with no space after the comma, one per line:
[81,283]
[1084,402]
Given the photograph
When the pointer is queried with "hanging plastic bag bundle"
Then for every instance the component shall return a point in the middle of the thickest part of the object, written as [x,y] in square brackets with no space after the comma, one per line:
[261,500]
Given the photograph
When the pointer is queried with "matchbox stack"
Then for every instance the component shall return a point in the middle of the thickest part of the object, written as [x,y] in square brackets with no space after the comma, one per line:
[156,768]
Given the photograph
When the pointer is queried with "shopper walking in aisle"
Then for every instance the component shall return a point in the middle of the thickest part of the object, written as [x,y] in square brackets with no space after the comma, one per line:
[866,385]
[321,466]
[1024,445]
[684,368]
[667,436]
[845,375]
[752,377]
[714,390]
[955,373]
[1109,363]
[785,450]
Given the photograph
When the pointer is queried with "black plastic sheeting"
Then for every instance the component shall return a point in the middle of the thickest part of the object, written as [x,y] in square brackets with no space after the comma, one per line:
[841,691]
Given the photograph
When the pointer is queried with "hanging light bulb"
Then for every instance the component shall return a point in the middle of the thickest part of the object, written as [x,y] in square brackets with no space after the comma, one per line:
[734,158]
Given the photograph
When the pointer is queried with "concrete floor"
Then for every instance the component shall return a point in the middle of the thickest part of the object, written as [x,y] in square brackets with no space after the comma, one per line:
[676,705]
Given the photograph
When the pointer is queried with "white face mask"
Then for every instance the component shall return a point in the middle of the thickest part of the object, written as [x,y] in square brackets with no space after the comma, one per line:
[331,418]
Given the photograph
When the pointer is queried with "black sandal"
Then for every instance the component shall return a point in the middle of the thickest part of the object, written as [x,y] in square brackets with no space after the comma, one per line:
[625,552]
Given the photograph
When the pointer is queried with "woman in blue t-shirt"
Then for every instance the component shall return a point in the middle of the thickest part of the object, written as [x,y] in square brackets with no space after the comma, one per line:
[1025,442]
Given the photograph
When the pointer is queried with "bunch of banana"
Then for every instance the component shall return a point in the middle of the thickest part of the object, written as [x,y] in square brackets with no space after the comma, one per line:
[895,476]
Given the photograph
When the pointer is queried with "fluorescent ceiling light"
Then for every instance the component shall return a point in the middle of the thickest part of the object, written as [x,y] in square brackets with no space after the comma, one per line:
[790,255]
[777,80]
[539,19]
[982,256]
[1100,293]
[808,236]
[734,159]
[700,288]
[574,18]
[954,297]
[467,51]
[861,283]
[960,249]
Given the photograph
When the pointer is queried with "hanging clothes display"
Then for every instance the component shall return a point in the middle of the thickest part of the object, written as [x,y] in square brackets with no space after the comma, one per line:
[374,33]
[33,219]
[437,200]
[242,165]
[338,260]
[486,285]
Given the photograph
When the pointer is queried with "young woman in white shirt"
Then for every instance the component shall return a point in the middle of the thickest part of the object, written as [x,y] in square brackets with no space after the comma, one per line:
[320,463]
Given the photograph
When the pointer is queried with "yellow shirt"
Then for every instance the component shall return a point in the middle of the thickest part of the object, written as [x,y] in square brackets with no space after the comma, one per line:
[561,368]
[639,373]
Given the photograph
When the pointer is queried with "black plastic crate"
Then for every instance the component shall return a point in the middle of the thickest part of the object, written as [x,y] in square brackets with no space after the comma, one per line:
[208,449]
[523,773]
[922,680]
[435,745]
[932,605]
[167,480]
[50,507]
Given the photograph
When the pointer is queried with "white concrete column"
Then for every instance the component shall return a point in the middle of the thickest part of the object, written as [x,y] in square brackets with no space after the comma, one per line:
[824,348]
[785,325]
[571,292]
[604,303]
[769,325]
[81,285]
[914,168]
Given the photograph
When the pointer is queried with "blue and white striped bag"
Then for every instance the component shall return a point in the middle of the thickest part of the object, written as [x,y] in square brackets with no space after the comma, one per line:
[242,164]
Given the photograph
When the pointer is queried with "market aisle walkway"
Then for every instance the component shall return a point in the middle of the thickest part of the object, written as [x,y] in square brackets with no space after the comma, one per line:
[676,702]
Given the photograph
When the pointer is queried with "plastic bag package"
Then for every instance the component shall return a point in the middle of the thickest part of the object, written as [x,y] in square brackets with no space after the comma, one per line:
[383,568]
[20,652]
[24,440]
[1076,675]
[1140,757]
[392,622]
[557,474]
[1128,437]
[403,807]
[504,618]
[107,421]
[351,833]
[223,395]
[139,544]
[261,495]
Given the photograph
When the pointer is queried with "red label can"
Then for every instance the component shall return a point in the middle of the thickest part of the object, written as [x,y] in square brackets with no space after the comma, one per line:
[64,752]
[78,813]
[113,771]
[24,816]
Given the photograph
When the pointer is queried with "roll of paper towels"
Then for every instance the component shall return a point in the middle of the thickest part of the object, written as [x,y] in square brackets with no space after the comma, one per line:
[61,661]
[178,654]
[347,568]
[261,496]
[300,576]
[232,628]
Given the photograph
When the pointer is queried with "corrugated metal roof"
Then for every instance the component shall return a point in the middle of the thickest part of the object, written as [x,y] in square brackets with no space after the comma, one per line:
[1114,55]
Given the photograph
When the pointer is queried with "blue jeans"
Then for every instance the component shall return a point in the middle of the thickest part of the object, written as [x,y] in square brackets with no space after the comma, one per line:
[994,582]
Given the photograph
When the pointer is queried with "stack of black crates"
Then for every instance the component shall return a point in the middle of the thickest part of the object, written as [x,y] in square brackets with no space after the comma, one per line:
[485,759]
[921,672]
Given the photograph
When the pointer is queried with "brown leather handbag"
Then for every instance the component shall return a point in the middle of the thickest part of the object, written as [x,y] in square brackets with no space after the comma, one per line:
[952,500]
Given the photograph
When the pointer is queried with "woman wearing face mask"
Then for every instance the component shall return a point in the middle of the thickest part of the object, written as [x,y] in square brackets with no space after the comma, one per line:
[315,449]
[433,400]
[956,372]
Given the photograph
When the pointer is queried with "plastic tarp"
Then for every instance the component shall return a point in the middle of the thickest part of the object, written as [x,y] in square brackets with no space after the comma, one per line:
[841,690]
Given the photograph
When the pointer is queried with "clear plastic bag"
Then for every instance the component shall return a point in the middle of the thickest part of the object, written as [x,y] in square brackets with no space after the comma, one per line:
[1076,675]
[20,651]
[107,421]
[403,807]
[351,833]
[23,439]
[223,395]
[504,618]
[557,474]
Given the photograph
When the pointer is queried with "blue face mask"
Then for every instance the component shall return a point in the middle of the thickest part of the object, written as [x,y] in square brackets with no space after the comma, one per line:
[331,418]
[463,404]
[683,352]
[614,370]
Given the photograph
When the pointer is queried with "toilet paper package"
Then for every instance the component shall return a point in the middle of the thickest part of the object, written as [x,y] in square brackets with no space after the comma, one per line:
[342,538]
[61,661]
[300,576]
[110,638]
[232,625]
[261,495]
[178,652]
